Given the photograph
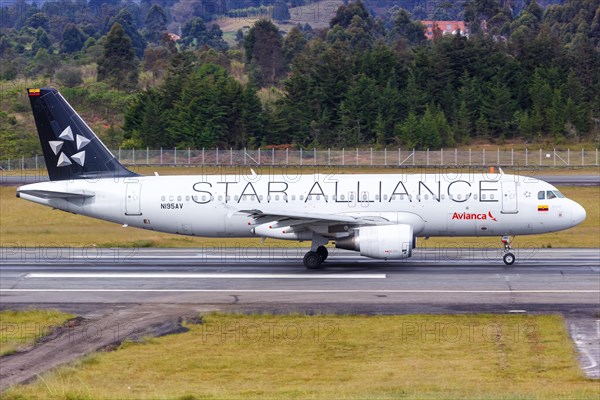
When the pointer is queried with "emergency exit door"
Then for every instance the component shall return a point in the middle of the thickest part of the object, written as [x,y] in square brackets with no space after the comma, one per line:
[133,199]
[509,198]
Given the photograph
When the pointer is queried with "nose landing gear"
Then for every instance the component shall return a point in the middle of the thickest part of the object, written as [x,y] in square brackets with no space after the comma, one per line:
[509,258]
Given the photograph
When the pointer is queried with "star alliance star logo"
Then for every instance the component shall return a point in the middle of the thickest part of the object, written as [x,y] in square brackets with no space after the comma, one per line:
[80,143]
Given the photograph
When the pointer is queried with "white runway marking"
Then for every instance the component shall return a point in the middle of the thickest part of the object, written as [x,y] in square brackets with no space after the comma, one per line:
[409,291]
[192,275]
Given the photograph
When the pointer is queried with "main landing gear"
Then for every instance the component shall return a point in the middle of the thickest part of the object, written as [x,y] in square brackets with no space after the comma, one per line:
[313,259]
[317,254]
[509,258]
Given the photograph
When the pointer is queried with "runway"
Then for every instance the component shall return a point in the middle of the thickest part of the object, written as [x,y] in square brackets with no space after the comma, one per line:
[138,287]
[434,280]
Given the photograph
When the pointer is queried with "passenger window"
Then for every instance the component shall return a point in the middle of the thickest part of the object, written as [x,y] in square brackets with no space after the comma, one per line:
[550,194]
[541,195]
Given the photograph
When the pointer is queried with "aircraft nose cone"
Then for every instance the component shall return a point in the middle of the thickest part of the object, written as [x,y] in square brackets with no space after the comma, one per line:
[579,214]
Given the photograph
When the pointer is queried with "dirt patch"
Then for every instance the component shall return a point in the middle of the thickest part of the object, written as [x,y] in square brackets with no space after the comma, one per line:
[104,332]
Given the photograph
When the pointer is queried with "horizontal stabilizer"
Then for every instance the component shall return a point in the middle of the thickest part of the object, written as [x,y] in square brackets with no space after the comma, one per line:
[48,194]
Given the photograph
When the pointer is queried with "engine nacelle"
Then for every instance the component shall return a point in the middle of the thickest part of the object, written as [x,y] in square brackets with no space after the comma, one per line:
[388,242]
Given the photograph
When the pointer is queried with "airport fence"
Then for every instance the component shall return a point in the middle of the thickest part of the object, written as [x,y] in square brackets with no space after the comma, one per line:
[341,158]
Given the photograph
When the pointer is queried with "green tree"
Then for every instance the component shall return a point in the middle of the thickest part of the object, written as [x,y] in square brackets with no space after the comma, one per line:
[37,21]
[462,126]
[346,13]
[42,41]
[409,132]
[155,24]
[203,113]
[293,43]
[117,66]
[499,108]
[69,76]
[72,39]
[281,11]
[359,110]
[126,20]
[404,28]
[264,53]
[145,123]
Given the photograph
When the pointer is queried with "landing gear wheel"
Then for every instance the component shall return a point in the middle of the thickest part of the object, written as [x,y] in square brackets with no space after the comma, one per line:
[322,250]
[509,258]
[312,260]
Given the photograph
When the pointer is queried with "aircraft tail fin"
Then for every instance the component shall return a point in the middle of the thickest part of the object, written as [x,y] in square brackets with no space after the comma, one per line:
[71,149]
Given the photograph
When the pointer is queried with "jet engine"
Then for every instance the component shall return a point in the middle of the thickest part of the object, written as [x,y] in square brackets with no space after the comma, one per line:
[388,242]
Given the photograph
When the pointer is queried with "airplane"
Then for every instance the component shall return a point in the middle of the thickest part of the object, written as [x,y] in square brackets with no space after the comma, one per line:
[379,216]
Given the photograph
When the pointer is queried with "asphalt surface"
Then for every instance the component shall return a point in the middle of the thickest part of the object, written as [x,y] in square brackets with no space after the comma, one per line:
[92,282]
[16,179]
[437,279]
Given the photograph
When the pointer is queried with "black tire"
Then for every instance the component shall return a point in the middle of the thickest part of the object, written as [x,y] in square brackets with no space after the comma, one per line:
[509,258]
[322,250]
[312,260]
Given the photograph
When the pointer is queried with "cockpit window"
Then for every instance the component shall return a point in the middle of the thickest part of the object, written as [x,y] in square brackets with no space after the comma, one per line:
[559,194]
[550,194]
[541,195]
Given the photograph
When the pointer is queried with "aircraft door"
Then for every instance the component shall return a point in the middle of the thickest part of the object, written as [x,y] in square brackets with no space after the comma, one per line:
[133,199]
[509,198]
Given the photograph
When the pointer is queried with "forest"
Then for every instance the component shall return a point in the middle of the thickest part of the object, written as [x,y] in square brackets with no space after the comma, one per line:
[160,73]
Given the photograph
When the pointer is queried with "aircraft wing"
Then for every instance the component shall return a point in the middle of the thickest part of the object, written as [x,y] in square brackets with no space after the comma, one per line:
[308,218]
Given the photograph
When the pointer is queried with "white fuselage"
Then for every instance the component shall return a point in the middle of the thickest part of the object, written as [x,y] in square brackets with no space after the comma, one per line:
[220,205]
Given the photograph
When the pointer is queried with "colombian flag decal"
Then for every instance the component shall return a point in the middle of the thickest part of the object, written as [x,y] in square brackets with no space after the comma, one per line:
[33,92]
[543,208]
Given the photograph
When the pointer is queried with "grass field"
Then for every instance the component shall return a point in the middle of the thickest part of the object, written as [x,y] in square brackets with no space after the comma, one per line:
[19,329]
[26,224]
[341,357]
